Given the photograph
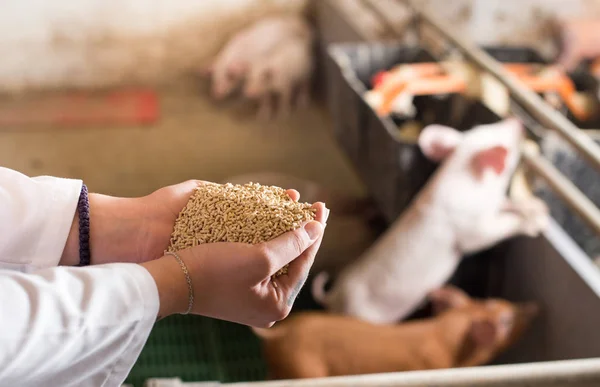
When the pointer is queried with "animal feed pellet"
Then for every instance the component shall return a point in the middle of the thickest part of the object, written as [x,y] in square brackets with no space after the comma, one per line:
[249,213]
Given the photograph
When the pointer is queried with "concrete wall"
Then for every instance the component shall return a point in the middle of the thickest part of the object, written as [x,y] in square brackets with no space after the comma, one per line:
[62,43]
[525,22]
[98,43]
[519,22]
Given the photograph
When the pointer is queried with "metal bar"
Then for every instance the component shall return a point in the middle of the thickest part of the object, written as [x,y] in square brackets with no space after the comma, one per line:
[530,100]
[564,188]
[547,116]
[537,108]
[564,372]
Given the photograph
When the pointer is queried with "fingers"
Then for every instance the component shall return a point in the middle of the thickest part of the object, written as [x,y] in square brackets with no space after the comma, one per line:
[291,284]
[295,195]
[185,188]
[188,186]
[573,40]
[567,60]
[301,265]
[287,247]
[322,212]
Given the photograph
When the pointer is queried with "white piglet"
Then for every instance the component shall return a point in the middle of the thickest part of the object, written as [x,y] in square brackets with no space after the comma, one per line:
[463,209]
[249,46]
[288,69]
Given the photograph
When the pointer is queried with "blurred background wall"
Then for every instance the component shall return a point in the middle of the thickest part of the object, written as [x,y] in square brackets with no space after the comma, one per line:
[101,43]
[527,22]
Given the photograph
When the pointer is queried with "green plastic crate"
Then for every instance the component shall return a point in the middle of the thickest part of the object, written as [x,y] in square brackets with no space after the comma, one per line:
[198,349]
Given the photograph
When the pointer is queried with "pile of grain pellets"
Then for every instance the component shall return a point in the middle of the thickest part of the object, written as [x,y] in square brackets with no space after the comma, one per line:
[249,213]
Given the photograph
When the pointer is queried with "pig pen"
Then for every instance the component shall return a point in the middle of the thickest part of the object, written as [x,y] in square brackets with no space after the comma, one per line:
[581,373]
[561,348]
[394,21]
[551,269]
[568,162]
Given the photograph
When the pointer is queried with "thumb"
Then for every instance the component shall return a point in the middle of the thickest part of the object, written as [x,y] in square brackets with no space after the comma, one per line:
[179,192]
[287,247]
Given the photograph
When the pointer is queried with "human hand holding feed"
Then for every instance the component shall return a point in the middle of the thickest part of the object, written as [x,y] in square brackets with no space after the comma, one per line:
[579,39]
[132,229]
[233,281]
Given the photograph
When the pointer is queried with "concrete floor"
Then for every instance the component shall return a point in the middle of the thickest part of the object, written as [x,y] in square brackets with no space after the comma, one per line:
[194,139]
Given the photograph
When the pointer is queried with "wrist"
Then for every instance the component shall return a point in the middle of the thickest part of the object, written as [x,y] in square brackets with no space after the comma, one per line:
[70,255]
[112,233]
[114,225]
[77,246]
[171,284]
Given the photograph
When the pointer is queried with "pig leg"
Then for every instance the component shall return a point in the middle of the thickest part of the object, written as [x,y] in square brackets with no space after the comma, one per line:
[285,101]
[304,95]
[494,229]
[528,217]
[534,213]
[265,108]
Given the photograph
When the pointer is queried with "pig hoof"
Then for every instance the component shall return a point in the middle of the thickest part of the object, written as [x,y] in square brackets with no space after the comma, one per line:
[536,217]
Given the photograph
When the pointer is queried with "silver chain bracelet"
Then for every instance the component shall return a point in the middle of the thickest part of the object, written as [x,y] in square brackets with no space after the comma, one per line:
[187,278]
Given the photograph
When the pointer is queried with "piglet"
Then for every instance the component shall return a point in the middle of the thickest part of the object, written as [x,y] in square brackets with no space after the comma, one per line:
[462,209]
[464,332]
[579,39]
[248,46]
[286,70]
[352,227]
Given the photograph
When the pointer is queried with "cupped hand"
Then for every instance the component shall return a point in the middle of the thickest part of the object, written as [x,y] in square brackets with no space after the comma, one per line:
[157,216]
[578,40]
[233,281]
[132,229]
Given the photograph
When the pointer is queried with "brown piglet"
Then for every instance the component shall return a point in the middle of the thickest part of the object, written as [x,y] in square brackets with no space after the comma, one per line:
[463,332]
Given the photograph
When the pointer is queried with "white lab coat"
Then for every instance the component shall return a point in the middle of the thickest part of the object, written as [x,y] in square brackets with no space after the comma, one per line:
[63,326]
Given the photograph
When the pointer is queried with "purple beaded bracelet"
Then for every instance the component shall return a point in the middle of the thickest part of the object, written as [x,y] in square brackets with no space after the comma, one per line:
[83,208]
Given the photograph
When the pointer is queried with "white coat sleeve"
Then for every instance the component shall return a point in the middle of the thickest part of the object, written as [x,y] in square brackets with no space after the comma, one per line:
[70,326]
[35,218]
[63,326]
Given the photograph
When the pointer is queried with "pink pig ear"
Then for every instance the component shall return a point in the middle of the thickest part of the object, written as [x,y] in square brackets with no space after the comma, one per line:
[438,141]
[493,158]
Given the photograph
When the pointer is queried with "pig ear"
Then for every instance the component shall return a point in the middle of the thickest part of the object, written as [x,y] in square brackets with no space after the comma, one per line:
[493,158]
[483,333]
[448,297]
[438,141]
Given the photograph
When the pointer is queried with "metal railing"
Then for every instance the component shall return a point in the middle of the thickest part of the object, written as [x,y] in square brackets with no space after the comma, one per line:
[528,101]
